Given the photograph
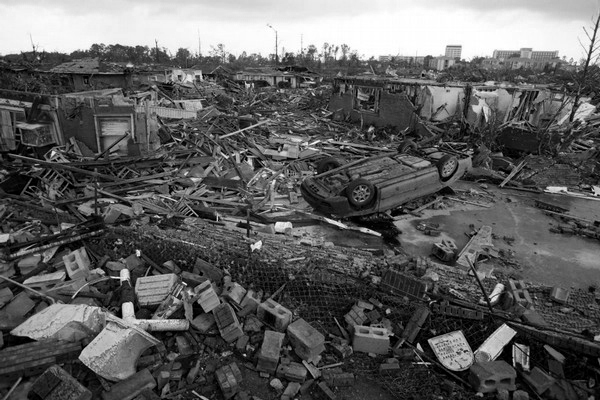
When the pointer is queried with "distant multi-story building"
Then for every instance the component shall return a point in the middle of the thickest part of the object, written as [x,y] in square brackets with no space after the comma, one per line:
[525,52]
[441,63]
[453,51]
[407,59]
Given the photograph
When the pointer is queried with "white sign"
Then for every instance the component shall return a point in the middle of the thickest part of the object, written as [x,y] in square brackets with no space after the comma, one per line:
[452,350]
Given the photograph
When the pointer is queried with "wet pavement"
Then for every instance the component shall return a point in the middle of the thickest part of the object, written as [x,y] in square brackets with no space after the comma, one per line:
[518,226]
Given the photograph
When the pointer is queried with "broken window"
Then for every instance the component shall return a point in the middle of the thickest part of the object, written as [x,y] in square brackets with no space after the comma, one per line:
[86,80]
[367,99]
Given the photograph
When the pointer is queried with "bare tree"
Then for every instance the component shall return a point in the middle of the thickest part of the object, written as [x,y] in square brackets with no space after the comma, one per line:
[592,57]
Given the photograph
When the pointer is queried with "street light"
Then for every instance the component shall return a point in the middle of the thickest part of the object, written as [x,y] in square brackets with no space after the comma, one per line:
[276,54]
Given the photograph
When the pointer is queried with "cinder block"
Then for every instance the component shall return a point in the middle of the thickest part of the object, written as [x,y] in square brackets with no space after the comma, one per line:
[229,378]
[539,380]
[77,263]
[153,290]
[274,314]
[227,322]
[268,356]
[486,377]
[308,343]
[293,372]
[131,387]
[56,384]
[234,292]
[45,281]
[208,297]
[291,390]
[368,339]
[251,300]
[560,295]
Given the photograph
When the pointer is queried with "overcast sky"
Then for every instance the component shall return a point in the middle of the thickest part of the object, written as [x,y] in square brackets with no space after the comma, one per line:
[372,27]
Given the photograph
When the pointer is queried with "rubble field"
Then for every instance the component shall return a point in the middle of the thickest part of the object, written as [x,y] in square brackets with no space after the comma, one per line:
[195,269]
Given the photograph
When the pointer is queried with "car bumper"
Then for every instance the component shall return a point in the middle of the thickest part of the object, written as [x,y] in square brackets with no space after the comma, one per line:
[337,205]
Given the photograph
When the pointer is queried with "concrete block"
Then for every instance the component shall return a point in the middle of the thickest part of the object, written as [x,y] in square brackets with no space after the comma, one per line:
[293,372]
[227,322]
[229,378]
[234,292]
[153,290]
[368,339]
[490,376]
[131,387]
[209,299]
[56,384]
[308,343]
[268,356]
[251,300]
[539,380]
[274,314]
[45,281]
[560,295]
[113,354]
[77,263]
[19,306]
[291,390]
[534,318]
[341,350]
[69,322]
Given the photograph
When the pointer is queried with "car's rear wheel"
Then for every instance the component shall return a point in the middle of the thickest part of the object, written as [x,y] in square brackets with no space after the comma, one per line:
[327,164]
[447,167]
[360,192]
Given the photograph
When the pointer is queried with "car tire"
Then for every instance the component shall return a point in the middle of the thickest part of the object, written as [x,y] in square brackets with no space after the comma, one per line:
[360,192]
[327,164]
[447,167]
[407,146]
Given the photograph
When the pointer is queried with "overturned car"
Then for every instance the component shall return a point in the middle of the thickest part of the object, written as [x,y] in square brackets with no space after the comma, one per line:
[381,183]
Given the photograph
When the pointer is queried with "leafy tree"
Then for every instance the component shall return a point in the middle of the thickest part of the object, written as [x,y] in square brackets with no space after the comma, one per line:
[219,52]
[182,56]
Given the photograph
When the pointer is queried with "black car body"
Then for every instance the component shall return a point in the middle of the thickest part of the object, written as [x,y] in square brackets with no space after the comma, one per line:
[383,182]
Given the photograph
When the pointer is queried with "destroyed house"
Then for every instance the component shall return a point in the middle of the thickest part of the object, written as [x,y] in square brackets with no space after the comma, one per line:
[407,103]
[274,78]
[92,74]
[95,122]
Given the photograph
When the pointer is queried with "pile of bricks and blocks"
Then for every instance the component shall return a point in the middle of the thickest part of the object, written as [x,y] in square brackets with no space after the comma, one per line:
[133,329]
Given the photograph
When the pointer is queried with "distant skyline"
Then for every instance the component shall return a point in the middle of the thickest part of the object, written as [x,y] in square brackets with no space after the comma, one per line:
[372,28]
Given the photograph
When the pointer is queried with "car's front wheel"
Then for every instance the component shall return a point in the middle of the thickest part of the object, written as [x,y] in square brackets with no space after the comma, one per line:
[447,167]
[360,192]
[327,164]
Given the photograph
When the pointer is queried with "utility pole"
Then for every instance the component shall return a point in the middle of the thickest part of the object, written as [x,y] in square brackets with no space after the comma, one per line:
[156,44]
[199,45]
[276,45]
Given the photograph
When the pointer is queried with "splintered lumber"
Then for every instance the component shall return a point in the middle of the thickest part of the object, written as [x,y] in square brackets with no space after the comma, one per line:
[65,167]
[514,172]
[33,358]
[244,129]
